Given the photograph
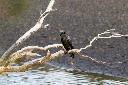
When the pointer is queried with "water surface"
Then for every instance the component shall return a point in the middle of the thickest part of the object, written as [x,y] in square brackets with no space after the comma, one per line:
[49,75]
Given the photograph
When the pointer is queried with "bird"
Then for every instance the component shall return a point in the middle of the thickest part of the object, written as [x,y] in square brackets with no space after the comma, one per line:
[66,41]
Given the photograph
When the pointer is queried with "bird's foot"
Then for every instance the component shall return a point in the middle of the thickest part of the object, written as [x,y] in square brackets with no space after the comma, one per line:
[65,52]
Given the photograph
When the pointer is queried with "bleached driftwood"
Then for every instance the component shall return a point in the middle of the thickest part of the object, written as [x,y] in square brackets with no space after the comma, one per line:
[27,51]
[38,25]
[34,62]
[12,56]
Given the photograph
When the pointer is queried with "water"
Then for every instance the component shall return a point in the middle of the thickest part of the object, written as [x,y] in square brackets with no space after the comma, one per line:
[49,75]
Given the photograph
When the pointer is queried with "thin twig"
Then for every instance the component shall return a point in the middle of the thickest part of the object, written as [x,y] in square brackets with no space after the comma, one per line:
[100,36]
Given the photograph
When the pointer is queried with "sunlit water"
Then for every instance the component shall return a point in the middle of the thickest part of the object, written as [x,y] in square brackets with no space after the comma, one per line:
[49,75]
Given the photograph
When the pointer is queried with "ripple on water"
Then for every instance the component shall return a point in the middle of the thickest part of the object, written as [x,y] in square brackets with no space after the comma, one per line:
[49,75]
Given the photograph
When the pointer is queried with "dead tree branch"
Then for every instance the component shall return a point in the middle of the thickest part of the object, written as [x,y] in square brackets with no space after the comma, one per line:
[111,33]
[38,25]
[100,36]
[27,51]
[29,64]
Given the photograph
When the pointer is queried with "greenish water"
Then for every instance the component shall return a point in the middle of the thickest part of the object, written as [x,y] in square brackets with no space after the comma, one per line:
[49,75]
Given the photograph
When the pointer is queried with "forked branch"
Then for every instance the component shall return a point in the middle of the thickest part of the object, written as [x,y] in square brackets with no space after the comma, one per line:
[28,51]
[12,56]
[23,38]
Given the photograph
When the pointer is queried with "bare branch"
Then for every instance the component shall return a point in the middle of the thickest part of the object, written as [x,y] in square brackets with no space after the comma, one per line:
[38,25]
[55,46]
[29,64]
[100,36]
[27,51]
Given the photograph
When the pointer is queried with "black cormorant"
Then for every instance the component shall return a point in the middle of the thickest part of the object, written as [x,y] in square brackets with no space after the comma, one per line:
[66,41]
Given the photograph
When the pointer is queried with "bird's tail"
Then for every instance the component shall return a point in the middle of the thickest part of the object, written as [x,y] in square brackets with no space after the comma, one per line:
[72,55]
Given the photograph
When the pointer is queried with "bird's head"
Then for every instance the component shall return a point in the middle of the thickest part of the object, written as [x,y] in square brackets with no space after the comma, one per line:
[62,32]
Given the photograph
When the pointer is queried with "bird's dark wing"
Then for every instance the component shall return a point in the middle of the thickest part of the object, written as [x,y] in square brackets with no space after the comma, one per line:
[71,46]
[67,43]
[70,42]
